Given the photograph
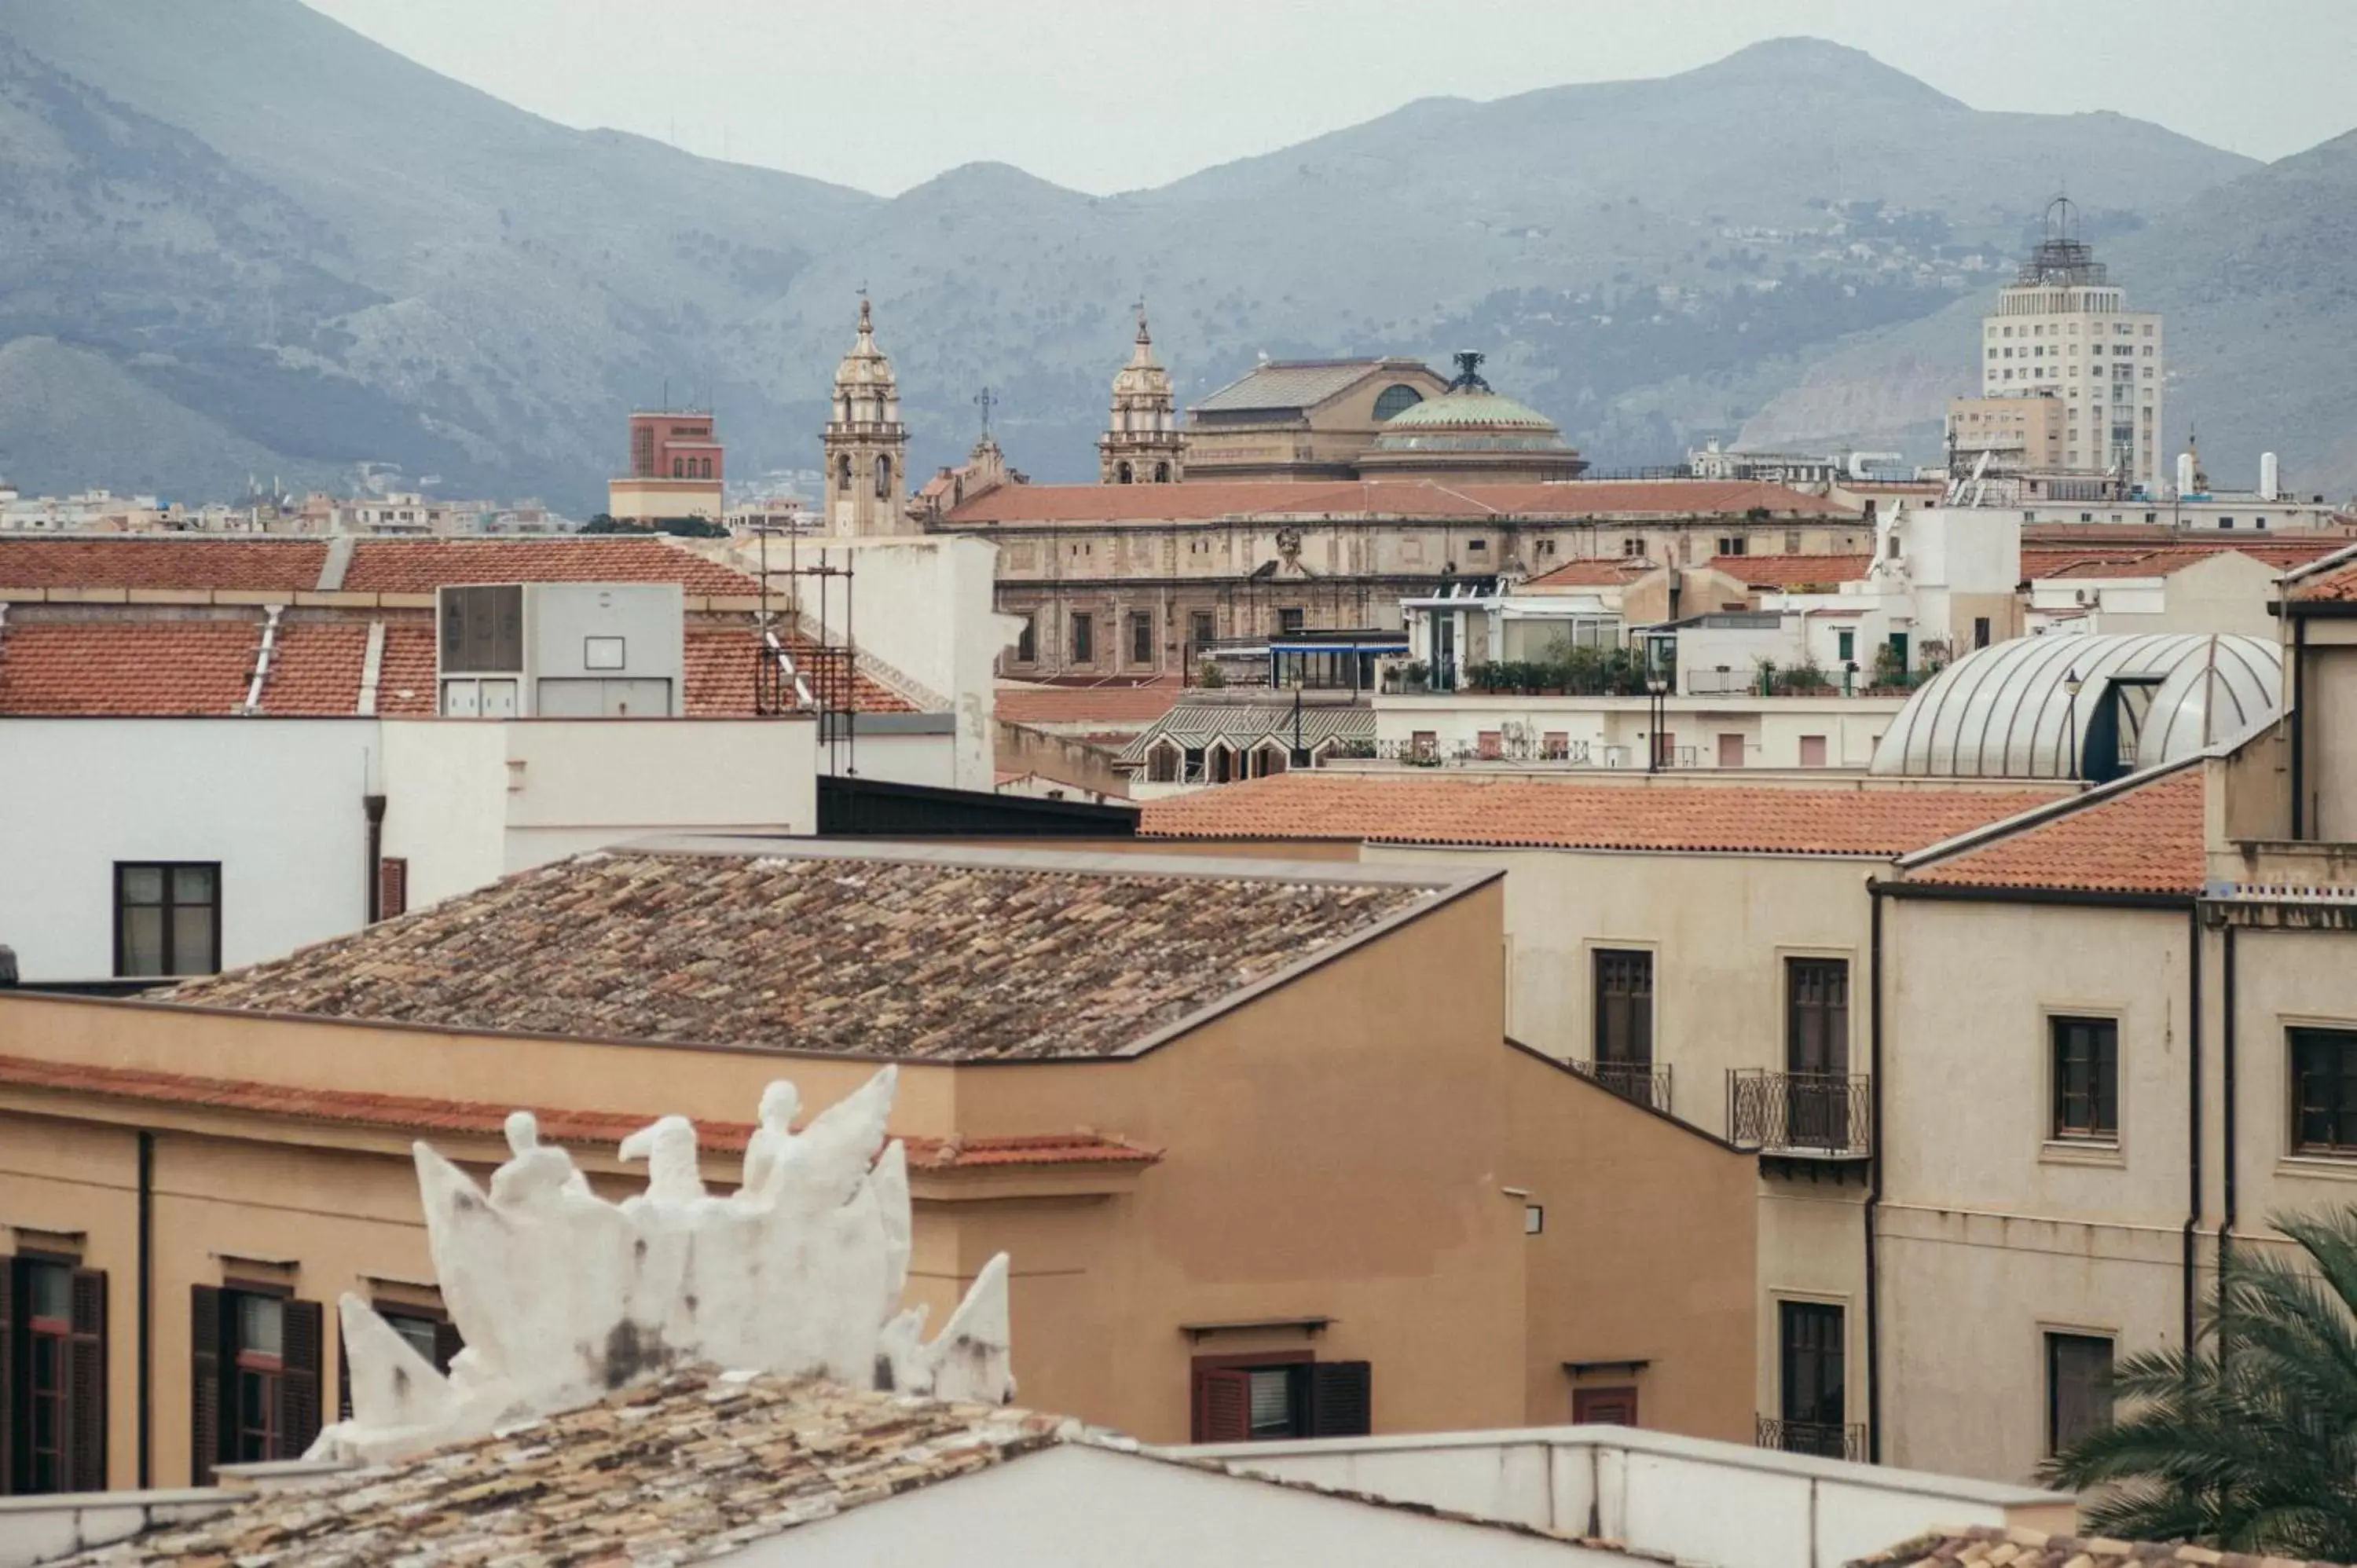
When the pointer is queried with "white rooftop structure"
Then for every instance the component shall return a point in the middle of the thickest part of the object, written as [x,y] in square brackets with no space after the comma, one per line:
[2077,706]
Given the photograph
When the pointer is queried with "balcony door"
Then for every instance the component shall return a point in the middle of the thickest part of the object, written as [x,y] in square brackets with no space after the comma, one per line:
[1816,1053]
[1814,1396]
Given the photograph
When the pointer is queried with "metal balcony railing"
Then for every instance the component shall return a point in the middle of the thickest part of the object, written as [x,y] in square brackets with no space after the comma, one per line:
[1642,1082]
[1820,1439]
[1798,1112]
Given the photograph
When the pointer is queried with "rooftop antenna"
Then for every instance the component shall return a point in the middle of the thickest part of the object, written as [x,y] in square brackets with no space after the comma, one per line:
[985,402]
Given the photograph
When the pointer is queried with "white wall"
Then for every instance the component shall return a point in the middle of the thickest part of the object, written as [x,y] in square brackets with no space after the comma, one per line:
[276,801]
[1615,729]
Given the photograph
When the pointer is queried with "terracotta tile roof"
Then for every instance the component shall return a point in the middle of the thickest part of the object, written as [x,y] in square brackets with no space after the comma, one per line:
[157,667]
[413,1114]
[1138,705]
[1996,1546]
[696,1464]
[404,676]
[422,565]
[1512,813]
[722,664]
[2148,838]
[945,955]
[2047,561]
[282,565]
[316,668]
[1211,499]
[2327,582]
[1791,574]
[1601,572]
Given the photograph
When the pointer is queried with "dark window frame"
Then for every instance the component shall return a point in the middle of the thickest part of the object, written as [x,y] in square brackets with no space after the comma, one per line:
[2323,1098]
[1084,637]
[2082,1053]
[1027,641]
[1323,1399]
[1621,1031]
[1813,1370]
[55,1366]
[1141,639]
[168,904]
[2061,1344]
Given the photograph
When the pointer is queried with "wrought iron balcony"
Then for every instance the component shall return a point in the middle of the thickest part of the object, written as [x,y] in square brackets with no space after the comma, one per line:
[1820,1439]
[1807,1114]
[1642,1082]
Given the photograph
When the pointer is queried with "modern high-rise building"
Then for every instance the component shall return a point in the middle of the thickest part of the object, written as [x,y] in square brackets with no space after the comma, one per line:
[2062,330]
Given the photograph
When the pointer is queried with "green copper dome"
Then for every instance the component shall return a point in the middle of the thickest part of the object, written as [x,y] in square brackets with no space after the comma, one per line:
[1470,419]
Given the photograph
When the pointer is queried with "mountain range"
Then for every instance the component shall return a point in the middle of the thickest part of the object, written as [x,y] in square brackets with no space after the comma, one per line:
[245,241]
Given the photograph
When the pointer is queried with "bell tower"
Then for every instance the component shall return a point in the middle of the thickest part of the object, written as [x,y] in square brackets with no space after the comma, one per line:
[1142,445]
[867,445]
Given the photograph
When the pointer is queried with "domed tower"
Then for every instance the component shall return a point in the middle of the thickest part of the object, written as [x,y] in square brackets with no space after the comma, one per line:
[867,445]
[1142,445]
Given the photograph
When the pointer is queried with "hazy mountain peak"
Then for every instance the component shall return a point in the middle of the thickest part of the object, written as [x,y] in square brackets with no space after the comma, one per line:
[1818,64]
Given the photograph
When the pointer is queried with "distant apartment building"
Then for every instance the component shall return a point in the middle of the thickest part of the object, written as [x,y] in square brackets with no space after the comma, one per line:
[2062,330]
[677,470]
[2016,432]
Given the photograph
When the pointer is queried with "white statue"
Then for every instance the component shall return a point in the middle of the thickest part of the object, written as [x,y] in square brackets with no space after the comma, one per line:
[562,1298]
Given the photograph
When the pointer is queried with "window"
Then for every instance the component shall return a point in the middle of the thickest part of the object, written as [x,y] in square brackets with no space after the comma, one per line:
[1632,546]
[1980,631]
[1120,473]
[1162,473]
[883,479]
[1489,745]
[1730,750]
[1289,619]
[1027,641]
[427,1330]
[1812,751]
[1791,542]
[1198,628]
[2078,1387]
[1624,1007]
[1394,398]
[2324,1091]
[1812,1393]
[1732,544]
[52,1376]
[843,475]
[166,918]
[1084,640]
[1255,1399]
[678,469]
[1604,1407]
[1845,646]
[2087,1078]
[1162,761]
[255,1359]
[391,886]
[1141,639]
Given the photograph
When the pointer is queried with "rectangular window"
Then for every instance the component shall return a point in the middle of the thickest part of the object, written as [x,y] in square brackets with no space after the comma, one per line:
[1141,640]
[166,918]
[1198,628]
[1084,640]
[2087,1078]
[1812,1396]
[2078,1387]
[1257,1399]
[1290,619]
[1980,631]
[1027,641]
[255,1359]
[52,1376]
[2324,1091]
[1624,1007]
[1730,751]
[1812,751]
[1845,646]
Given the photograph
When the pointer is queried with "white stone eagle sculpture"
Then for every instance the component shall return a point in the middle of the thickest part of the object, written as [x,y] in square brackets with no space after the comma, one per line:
[562,1298]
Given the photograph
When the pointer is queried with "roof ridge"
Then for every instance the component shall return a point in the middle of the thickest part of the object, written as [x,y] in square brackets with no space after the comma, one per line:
[2038,816]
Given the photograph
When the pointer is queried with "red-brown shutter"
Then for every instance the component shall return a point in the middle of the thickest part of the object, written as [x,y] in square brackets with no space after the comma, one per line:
[1604,1407]
[392,886]
[1223,1405]
[299,1384]
[447,1343]
[7,1360]
[204,1383]
[86,1384]
[1342,1398]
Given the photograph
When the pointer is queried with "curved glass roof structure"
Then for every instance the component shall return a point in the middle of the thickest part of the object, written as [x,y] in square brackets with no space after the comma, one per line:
[2010,710]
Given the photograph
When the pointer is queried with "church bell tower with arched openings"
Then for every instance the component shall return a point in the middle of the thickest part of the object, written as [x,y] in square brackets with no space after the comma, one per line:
[1142,445]
[867,445]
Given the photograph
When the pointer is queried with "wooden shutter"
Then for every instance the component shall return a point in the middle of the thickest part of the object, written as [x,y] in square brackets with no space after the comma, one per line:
[447,1343]
[86,1384]
[7,1360]
[204,1383]
[392,886]
[1223,1405]
[1342,1398]
[1604,1407]
[299,1384]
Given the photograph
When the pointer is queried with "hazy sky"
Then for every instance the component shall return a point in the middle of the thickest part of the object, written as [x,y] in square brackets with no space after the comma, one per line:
[1106,95]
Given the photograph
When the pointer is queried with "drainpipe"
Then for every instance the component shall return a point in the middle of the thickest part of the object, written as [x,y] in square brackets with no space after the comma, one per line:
[2298,729]
[145,1315]
[373,805]
[1874,1175]
[2193,1114]
[2226,1062]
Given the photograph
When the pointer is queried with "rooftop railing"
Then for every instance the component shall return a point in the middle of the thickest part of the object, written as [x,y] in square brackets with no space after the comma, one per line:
[1647,1084]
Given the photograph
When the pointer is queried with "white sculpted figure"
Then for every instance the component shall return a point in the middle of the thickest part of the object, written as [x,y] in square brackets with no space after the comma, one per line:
[562,1296]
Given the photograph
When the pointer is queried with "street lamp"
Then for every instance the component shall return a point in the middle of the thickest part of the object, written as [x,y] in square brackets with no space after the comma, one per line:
[1657,708]
[2070,686]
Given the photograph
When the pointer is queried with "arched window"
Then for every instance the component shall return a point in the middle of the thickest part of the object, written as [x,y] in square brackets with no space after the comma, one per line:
[679,468]
[884,478]
[1162,762]
[843,474]
[1394,398]
[1120,473]
[1161,473]
[703,467]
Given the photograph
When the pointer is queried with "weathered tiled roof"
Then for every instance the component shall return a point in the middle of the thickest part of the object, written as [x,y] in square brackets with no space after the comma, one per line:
[691,1467]
[278,565]
[895,953]
[422,565]
[1512,813]
[417,1114]
[1291,384]
[1604,571]
[2145,838]
[1996,1546]
[1243,725]
[1791,574]
[157,668]
[1133,704]
[2329,581]
[1207,500]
